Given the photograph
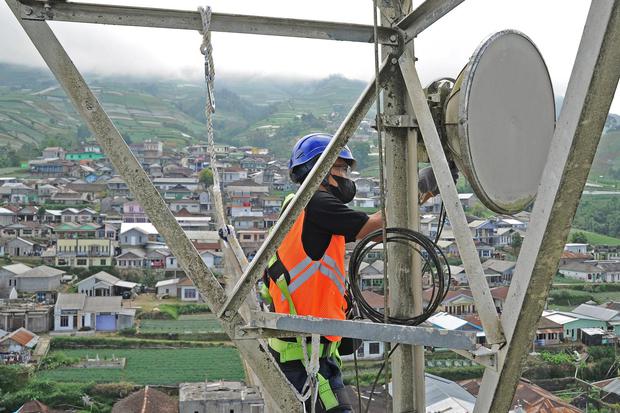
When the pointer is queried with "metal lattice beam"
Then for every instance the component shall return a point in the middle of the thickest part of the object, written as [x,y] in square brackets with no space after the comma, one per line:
[590,91]
[190,20]
[126,164]
[473,268]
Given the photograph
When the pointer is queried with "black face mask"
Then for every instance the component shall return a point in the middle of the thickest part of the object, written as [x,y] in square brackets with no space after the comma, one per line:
[345,191]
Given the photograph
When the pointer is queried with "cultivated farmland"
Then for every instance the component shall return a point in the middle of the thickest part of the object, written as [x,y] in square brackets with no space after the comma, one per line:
[186,324]
[155,366]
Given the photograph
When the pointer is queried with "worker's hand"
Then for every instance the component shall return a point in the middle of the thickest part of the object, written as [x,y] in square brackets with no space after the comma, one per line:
[427,184]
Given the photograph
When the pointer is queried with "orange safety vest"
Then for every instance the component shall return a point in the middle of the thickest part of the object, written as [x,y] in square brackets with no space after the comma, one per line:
[316,287]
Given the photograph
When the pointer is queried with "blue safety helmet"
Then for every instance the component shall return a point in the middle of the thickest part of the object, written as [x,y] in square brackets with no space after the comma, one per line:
[306,152]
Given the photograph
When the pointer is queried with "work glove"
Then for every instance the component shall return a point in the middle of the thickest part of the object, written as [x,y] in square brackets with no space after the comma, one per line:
[427,184]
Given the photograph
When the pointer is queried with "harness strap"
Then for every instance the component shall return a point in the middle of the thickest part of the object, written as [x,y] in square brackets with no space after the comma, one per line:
[292,351]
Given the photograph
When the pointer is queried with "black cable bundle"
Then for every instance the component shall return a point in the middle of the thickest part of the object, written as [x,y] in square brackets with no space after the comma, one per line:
[434,262]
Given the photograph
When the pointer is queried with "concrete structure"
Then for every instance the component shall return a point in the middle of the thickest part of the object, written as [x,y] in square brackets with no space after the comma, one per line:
[34,317]
[222,396]
[74,312]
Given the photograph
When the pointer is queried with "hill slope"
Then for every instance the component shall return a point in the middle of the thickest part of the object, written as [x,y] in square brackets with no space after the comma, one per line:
[35,111]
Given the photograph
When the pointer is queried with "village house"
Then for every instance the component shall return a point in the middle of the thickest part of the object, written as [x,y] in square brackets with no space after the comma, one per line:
[74,312]
[456,302]
[371,275]
[131,258]
[548,333]
[78,216]
[498,272]
[167,288]
[103,284]
[67,196]
[7,217]
[610,316]
[573,323]
[138,234]
[187,291]
[22,247]
[44,281]
[232,174]
[16,347]
[117,187]
[8,274]
[133,212]
[592,270]
[166,184]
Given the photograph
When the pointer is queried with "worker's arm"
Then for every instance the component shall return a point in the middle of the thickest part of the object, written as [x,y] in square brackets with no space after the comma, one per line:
[374,223]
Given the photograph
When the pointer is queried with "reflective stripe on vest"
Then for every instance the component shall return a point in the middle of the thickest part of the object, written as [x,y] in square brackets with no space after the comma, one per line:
[316,267]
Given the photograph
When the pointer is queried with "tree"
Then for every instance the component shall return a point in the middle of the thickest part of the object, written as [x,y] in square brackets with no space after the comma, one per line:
[206,177]
[361,151]
[579,237]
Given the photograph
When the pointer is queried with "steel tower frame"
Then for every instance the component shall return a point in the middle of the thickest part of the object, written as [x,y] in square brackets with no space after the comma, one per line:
[590,91]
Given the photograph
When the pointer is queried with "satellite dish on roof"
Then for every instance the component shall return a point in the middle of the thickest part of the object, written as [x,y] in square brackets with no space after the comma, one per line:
[497,120]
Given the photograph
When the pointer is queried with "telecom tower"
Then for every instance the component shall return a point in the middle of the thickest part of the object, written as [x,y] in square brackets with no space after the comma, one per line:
[456,121]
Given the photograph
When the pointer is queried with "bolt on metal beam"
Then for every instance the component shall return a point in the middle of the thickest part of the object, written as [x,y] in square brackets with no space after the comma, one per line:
[255,270]
[589,94]
[190,20]
[126,164]
[477,281]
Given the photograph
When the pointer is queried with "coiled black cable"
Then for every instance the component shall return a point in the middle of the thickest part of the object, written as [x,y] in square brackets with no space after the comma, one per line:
[434,262]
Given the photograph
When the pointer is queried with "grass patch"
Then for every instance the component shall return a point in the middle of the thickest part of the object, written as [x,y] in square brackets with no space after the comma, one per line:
[98,342]
[154,366]
[597,239]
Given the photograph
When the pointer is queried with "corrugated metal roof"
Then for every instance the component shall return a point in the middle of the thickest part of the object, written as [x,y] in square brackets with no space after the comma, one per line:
[70,301]
[103,304]
[17,268]
[41,271]
[600,313]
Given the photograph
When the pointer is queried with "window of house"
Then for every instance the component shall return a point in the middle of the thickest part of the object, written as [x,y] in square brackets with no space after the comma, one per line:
[64,321]
[373,348]
[103,262]
[247,236]
[81,261]
[189,293]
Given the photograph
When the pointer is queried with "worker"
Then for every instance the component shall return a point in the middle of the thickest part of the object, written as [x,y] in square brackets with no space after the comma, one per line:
[307,274]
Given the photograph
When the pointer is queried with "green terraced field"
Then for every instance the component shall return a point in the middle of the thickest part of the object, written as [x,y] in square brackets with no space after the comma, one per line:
[155,366]
[186,324]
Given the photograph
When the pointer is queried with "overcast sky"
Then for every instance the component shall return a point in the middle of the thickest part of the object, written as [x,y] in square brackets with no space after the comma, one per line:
[554,25]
